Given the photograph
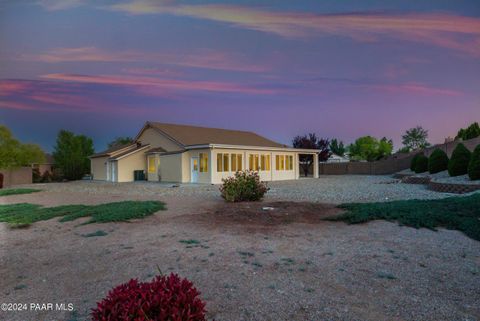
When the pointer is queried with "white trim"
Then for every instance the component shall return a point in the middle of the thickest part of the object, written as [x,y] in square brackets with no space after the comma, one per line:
[132,152]
[109,154]
[246,147]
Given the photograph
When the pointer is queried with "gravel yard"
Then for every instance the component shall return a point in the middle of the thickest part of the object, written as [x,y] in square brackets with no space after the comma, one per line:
[327,189]
[249,264]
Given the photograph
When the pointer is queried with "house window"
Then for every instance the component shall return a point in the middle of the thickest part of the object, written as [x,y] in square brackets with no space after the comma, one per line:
[289,162]
[222,162]
[239,162]
[151,164]
[203,162]
[265,162]
[235,162]
[253,162]
[283,162]
[225,162]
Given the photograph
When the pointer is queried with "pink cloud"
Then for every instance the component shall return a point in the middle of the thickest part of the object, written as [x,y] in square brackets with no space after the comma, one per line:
[444,30]
[8,87]
[159,85]
[413,89]
[208,59]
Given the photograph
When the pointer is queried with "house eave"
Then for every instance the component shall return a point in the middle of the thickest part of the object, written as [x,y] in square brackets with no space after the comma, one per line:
[246,147]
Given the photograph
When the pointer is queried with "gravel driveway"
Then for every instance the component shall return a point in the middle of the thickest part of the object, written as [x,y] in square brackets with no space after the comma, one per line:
[286,265]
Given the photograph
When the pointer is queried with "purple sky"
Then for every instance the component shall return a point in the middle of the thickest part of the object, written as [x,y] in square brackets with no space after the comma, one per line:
[338,68]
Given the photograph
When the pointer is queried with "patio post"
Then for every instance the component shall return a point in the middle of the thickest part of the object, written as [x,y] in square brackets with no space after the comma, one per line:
[315,165]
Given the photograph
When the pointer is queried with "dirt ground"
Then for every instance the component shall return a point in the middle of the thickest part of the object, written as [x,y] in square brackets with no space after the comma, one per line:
[249,263]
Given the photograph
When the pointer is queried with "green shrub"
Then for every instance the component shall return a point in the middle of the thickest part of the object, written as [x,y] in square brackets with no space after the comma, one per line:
[414,162]
[438,161]
[458,164]
[244,186]
[421,165]
[474,165]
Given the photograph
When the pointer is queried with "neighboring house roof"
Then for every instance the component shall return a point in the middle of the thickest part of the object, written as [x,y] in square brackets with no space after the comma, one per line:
[112,150]
[48,160]
[193,135]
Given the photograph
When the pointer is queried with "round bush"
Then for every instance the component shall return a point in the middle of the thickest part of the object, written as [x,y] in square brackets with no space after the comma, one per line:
[414,162]
[164,298]
[458,164]
[244,186]
[474,165]
[421,165]
[438,161]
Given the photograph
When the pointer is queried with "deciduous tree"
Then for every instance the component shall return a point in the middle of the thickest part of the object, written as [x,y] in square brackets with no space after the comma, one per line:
[311,141]
[415,138]
[15,154]
[71,154]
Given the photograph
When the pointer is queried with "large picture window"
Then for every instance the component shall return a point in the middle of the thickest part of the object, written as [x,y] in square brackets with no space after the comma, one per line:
[284,162]
[253,162]
[236,162]
[203,162]
[265,162]
[229,162]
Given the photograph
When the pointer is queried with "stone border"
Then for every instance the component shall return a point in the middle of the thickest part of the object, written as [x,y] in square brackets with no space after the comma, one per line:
[452,188]
[416,180]
[401,176]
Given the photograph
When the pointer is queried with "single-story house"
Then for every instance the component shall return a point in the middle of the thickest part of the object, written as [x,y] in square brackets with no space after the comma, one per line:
[334,158]
[181,153]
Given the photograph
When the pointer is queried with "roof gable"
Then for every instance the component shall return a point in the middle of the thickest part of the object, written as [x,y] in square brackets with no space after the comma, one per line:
[194,135]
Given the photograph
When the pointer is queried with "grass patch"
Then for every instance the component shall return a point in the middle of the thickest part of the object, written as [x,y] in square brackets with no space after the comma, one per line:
[95,234]
[17,191]
[24,214]
[455,213]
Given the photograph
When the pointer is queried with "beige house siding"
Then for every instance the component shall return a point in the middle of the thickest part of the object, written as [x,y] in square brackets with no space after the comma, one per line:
[126,165]
[98,168]
[155,139]
[171,169]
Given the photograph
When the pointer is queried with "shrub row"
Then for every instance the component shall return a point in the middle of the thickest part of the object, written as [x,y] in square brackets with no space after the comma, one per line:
[462,162]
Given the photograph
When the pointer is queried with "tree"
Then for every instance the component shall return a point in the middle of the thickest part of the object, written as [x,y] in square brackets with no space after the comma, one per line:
[120,141]
[385,147]
[337,147]
[458,163]
[470,132]
[438,161]
[71,154]
[474,164]
[15,154]
[311,141]
[415,138]
[370,149]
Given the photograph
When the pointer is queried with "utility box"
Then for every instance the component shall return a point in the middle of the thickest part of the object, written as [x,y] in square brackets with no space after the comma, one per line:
[139,175]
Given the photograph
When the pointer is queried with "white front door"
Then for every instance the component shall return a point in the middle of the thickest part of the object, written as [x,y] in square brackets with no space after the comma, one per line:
[107,164]
[194,170]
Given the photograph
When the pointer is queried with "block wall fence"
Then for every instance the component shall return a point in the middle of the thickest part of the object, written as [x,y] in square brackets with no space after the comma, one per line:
[391,165]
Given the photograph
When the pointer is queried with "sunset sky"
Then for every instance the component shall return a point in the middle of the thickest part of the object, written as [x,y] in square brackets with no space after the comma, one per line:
[280,68]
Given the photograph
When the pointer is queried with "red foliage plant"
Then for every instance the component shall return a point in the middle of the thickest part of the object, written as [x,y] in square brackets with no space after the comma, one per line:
[164,298]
